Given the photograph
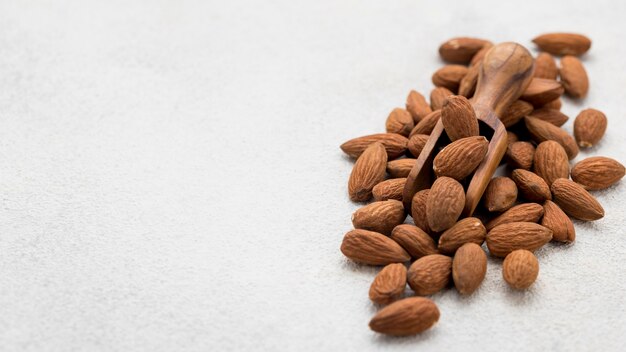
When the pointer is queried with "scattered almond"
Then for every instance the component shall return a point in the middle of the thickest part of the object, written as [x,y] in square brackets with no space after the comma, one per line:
[597,172]
[399,121]
[417,106]
[389,189]
[380,216]
[563,43]
[520,155]
[505,238]
[373,248]
[551,161]
[458,118]
[553,116]
[418,210]
[461,157]
[438,96]
[468,230]
[444,204]
[414,240]
[368,171]
[589,127]
[545,66]
[500,194]
[449,76]
[406,317]
[515,113]
[575,200]
[527,212]
[543,131]
[400,167]
[520,269]
[394,144]
[417,143]
[461,50]
[469,268]
[430,274]
[574,77]
[389,284]
[532,187]
[427,124]
[541,91]
[478,58]
[556,220]
[555,104]
[468,83]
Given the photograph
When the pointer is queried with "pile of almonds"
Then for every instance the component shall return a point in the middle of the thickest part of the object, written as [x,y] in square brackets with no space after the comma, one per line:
[520,213]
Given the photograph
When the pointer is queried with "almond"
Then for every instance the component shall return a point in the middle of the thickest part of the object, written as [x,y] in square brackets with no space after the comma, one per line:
[543,131]
[468,230]
[589,127]
[556,220]
[478,58]
[527,212]
[438,96]
[520,155]
[597,172]
[575,200]
[500,194]
[545,66]
[418,210]
[414,240]
[430,274]
[389,189]
[563,43]
[505,238]
[373,248]
[394,144]
[468,83]
[520,269]
[553,116]
[555,104]
[389,284]
[511,137]
[380,216]
[449,76]
[541,91]
[461,157]
[458,118]
[406,317]
[515,112]
[469,267]
[400,167]
[427,124]
[444,204]
[399,121]
[574,77]
[551,161]
[461,50]
[368,170]
[417,106]
[417,143]
[531,186]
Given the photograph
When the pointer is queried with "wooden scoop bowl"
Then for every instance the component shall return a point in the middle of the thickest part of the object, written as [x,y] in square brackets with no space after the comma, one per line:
[506,71]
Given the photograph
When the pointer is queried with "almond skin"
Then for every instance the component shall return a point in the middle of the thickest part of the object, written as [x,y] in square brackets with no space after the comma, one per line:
[511,137]
[469,267]
[553,116]
[532,187]
[458,118]
[563,43]
[542,131]
[418,210]
[545,66]
[468,83]
[556,220]
[461,50]
[505,238]
[368,171]
[400,168]
[551,161]
[541,90]
[461,157]
[449,76]
[427,124]
[444,204]
[414,240]
[389,284]
[520,155]
[417,143]
[395,144]
[575,200]
[430,274]
[417,106]
[373,248]
[399,121]
[438,96]
[478,57]
[406,317]
[574,77]
[389,189]
[555,104]
[597,172]
[468,230]
[520,269]
[380,216]
[589,127]
[527,212]
[515,113]
[500,194]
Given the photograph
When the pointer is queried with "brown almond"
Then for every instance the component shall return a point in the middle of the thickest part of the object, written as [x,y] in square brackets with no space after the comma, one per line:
[438,96]
[520,269]
[368,171]
[597,172]
[555,104]
[373,248]
[574,77]
[394,144]
[532,187]
[449,76]
[389,284]
[500,194]
[417,143]
[556,220]
[458,118]
[541,91]
[563,43]
[461,157]
[520,155]
[575,200]
[414,240]
[467,86]
[545,66]
[430,274]
[389,189]
[505,238]
[478,58]
[461,50]
[469,268]
[553,116]
[427,124]
[543,131]
[418,210]
[406,317]
[444,204]
[515,113]
[468,230]
[589,127]
[399,121]
[380,216]
[511,137]
[551,161]
[400,167]
[527,212]
[417,106]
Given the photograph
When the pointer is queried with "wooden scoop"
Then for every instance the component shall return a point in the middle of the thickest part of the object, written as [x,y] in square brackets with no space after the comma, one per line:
[505,73]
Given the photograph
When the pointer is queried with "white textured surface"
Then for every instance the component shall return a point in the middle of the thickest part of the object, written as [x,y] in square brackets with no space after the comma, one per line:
[171,178]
